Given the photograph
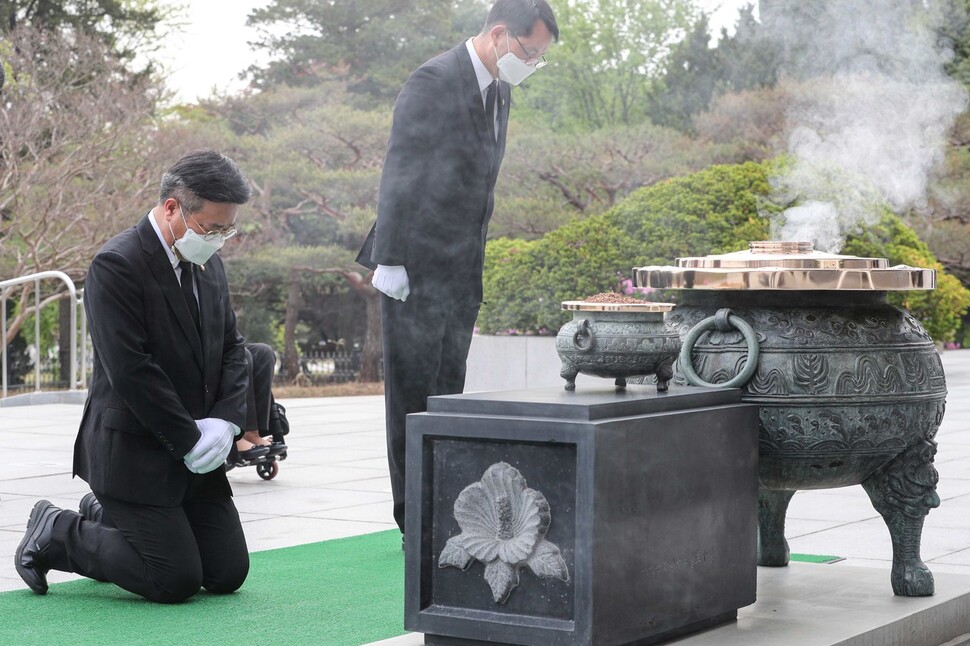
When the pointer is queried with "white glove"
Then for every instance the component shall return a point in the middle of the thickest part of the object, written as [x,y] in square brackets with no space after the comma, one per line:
[392,280]
[211,450]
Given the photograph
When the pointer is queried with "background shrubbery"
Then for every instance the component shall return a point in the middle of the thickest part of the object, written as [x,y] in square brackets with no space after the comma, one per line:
[714,211]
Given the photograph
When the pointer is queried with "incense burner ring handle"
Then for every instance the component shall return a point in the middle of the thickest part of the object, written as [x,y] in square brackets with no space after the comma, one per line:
[723,321]
[583,338]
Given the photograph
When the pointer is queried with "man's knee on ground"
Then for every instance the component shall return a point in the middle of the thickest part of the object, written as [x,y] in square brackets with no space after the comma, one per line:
[175,588]
[228,581]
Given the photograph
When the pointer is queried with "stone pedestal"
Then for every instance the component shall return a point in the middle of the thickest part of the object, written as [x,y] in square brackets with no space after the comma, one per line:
[589,517]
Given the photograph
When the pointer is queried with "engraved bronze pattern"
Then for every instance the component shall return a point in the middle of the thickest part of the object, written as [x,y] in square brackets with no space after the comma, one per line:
[617,343]
[851,391]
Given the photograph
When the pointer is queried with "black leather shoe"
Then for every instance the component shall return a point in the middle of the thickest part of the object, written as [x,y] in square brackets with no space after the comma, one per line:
[30,557]
[90,508]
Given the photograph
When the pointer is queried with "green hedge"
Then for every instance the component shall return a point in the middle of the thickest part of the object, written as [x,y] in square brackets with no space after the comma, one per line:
[940,310]
[715,211]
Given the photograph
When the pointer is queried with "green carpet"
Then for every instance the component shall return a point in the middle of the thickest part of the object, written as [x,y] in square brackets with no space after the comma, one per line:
[343,592]
[815,558]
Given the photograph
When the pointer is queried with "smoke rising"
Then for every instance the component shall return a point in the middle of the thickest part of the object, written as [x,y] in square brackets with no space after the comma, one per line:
[870,109]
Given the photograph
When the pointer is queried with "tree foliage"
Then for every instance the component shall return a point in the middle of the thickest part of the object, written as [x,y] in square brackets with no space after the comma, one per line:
[691,77]
[125,27]
[76,153]
[748,58]
[599,74]
[944,222]
[715,211]
[314,162]
[81,148]
[750,125]
[941,309]
[292,273]
[549,179]
[955,29]
[695,72]
[371,45]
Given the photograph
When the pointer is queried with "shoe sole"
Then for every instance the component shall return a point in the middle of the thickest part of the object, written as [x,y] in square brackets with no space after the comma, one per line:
[39,507]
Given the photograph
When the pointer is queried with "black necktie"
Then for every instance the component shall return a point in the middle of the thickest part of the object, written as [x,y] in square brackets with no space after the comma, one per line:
[187,292]
[490,109]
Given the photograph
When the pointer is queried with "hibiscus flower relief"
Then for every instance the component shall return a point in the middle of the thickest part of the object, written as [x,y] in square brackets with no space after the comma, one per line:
[503,525]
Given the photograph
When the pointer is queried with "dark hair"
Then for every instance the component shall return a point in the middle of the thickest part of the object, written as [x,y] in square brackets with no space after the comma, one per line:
[520,16]
[204,175]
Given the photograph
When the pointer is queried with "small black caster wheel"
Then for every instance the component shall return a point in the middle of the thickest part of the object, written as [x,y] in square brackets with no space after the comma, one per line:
[267,470]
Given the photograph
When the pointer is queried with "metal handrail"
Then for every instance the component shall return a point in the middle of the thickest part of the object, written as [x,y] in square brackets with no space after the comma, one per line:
[36,278]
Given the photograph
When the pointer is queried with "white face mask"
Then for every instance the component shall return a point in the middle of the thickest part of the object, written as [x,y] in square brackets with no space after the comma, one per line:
[192,246]
[511,68]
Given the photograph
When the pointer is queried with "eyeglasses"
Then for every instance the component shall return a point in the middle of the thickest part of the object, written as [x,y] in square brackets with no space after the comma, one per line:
[535,60]
[215,234]
[211,235]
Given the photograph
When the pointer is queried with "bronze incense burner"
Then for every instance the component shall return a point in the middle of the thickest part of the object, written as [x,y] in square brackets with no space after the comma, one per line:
[617,341]
[851,390]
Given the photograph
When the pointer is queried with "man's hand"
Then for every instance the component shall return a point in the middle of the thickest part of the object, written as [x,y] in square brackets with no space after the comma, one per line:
[392,280]
[212,448]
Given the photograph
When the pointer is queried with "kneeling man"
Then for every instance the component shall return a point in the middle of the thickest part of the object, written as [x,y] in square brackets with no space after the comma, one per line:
[167,398]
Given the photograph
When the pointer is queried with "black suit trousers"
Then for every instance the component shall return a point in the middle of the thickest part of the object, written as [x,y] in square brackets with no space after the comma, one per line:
[426,340]
[261,363]
[164,554]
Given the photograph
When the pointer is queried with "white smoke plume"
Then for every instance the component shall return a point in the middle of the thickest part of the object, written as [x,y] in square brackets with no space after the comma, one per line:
[870,109]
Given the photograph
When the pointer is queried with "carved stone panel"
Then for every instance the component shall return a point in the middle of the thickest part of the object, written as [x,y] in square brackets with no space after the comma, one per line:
[504,525]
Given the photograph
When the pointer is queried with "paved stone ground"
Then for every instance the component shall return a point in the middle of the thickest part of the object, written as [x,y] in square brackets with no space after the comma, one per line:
[335,484]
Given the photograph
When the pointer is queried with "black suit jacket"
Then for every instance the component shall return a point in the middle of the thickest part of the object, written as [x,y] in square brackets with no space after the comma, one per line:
[438,178]
[154,375]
